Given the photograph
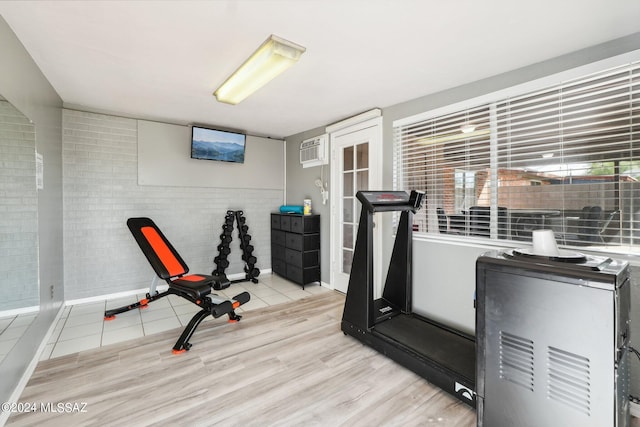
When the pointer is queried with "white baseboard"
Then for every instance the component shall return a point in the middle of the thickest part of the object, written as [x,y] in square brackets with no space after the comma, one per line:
[265,271]
[97,298]
[160,288]
[635,409]
[17,311]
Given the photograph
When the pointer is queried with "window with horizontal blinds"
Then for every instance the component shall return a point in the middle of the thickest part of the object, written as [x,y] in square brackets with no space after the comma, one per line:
[565,158]
[433,156]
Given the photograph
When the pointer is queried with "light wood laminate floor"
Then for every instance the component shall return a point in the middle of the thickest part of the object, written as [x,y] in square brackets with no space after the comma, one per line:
[285,365]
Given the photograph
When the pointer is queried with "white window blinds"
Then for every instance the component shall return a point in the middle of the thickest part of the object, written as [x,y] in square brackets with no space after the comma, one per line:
[564,158]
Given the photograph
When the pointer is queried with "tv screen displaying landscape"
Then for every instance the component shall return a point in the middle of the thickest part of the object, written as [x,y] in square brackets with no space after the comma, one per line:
[213,144]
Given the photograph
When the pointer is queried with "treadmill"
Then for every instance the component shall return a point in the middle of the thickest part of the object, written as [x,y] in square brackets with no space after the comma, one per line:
[442,355]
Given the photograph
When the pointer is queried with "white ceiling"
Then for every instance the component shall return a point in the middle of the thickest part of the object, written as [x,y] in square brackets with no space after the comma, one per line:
[162,60]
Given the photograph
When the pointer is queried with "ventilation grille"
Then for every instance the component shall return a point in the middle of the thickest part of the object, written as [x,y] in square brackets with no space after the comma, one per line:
[569,379]
[314,151]
[309,153]
[516,360]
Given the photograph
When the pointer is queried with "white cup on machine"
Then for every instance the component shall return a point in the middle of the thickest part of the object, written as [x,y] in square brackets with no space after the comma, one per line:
[544,243]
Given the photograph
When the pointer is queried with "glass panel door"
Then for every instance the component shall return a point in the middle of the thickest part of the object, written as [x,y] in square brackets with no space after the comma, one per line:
[357,167]
[355,177]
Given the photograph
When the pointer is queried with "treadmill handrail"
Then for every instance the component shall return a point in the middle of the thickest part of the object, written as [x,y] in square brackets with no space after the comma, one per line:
[403,202]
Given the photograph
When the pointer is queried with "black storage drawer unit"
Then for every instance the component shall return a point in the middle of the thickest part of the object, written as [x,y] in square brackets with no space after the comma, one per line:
[301,259]
[285,223]
[278,237]
[295,247]
[302,242]
[277,252]
[303,275]
[275,222]
[305,224]
[279,267]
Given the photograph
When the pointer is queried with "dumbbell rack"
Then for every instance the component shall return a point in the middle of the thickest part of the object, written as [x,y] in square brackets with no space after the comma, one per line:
[224,249]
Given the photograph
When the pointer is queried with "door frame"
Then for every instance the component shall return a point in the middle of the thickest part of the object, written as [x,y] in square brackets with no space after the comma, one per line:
[370,119]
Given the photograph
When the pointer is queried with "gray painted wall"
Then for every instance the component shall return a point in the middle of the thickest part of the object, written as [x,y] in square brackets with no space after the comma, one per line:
[101,190]
[301,185]
[444,274]
[164,159]
[23,84]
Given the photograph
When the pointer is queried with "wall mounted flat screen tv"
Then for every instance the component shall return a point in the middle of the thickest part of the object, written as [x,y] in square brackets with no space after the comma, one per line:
[214,144]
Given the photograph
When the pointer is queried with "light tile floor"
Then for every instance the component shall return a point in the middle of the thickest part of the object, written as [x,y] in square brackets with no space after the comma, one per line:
[11,329]
[82,327]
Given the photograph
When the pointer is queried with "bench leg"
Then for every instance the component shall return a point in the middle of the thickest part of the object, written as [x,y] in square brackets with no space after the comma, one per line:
[182,344]
[111,314]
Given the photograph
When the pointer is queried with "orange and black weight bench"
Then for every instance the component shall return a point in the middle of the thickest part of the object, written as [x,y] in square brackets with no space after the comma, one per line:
[168,265]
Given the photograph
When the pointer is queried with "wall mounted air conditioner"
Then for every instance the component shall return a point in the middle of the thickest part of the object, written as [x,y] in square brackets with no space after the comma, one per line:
[314,151]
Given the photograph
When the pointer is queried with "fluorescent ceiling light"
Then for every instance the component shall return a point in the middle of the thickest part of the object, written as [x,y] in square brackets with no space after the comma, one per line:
[273,57]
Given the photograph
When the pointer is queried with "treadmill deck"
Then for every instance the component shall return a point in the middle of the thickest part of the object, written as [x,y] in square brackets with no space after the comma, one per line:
[447,349]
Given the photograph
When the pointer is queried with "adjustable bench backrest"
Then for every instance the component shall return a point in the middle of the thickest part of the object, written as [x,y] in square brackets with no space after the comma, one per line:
[162,256]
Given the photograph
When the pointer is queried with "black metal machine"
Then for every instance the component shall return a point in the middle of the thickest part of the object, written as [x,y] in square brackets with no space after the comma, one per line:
[552,335]
[442,355]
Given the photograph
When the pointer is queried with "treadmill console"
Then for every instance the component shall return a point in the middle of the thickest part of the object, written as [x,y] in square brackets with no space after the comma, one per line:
[375,201]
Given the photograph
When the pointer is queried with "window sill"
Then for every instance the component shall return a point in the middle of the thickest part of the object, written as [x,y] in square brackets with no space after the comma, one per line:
[630,254]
